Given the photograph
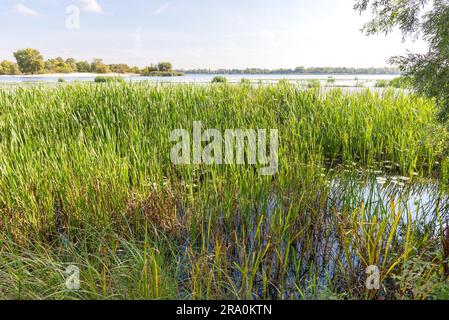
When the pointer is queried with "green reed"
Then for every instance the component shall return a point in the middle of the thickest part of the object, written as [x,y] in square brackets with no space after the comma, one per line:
[86,179]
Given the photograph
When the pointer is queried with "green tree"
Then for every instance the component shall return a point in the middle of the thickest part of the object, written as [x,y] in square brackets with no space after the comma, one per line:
[71,63]
[164,66]
[120,68]
[9,68]
[83,66]
[58,65]
[50,65]
[30,61]
[425,19]
[135,70]
[98,66]
[149,69]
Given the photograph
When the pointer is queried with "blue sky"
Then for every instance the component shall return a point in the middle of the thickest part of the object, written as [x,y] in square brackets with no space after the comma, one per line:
[199,33]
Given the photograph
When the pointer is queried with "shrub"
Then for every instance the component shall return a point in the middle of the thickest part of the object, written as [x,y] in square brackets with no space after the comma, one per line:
[402,82]
[382,83]
[219,79]
[103,79]
[245,81]
[399,83]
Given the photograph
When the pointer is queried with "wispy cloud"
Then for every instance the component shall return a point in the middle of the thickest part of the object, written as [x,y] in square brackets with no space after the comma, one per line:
[162,8]
[91,6]
[23,9]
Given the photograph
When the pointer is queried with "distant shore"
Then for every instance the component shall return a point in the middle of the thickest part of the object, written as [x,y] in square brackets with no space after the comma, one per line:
[74,74]
[93,75]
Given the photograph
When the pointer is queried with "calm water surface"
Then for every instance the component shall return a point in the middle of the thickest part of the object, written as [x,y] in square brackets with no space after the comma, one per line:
[337,80]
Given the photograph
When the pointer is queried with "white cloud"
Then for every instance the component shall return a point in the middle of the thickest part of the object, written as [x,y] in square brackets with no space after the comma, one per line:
[91,6]
[162,8]
[23,9]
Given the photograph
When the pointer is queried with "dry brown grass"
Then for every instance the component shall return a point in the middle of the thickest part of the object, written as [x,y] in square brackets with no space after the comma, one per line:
[161,208]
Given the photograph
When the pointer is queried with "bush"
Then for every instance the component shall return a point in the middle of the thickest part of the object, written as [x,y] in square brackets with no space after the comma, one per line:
[402,82]
[382,83]
[219,79]
[398,83]
[103,79]
[61,80]
[330,80]
[245,81]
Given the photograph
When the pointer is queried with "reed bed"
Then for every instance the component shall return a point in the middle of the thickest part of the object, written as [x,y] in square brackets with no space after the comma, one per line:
[86,180]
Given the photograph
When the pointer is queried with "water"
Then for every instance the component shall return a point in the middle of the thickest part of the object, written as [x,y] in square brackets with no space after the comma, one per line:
[424,203]
[421,200]
[338,80]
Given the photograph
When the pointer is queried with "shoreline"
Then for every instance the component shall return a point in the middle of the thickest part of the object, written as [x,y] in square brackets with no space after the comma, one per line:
[262,76]
[75,74]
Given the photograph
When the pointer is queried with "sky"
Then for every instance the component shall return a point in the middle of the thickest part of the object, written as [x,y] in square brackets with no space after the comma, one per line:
[198,33]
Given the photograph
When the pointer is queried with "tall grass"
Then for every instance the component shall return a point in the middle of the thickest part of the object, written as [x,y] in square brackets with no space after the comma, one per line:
[86,179]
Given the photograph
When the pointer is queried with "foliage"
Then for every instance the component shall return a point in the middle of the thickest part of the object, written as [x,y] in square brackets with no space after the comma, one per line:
[425,19]
[163,74]
[120,68]
[71,63]
[219,79]
[86,179]
[162,69]
[97,66]
[298,70]
[109,79]
[135,70]
[30,61]
[401,82]
[83,66]
[149,69]
[164,66]
[382,83]
[58,65]
[9,68]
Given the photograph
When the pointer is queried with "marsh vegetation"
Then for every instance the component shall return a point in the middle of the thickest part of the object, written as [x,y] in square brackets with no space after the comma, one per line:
[86,180]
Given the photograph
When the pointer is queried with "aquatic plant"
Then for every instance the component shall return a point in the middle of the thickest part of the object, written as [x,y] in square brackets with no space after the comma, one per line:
[86,180]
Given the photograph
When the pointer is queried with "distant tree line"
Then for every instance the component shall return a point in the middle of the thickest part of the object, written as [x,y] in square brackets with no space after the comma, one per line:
[31,61]
[298,70]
